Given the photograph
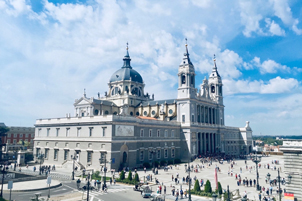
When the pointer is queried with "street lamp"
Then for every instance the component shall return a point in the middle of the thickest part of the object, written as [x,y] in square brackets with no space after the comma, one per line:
[73,157]
[256,159]
[189,169]
[214,197]
[228,198]
[279,181]
[40,157]
[104,160]
[3,172]
[88,186]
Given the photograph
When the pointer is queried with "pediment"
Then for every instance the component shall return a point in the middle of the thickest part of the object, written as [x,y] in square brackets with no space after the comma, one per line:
[82,101]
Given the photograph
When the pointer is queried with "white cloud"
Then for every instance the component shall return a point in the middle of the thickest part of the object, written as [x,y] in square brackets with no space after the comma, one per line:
[269,66]
[202,4]
[283,11]
[274,28]
[273,86]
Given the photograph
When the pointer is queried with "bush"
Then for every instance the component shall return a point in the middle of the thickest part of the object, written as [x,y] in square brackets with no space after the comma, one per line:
[156,163]
[196,186]
[219,188]
[122,175]
[177,160]
[136,178]
[146,165]
[170,162]
[96,174]
[207,187]
[130,175]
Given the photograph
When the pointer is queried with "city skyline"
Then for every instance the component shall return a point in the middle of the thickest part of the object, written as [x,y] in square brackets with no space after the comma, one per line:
[51,50]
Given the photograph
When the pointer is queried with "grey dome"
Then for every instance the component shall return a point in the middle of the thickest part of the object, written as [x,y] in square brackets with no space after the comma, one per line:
[126,72]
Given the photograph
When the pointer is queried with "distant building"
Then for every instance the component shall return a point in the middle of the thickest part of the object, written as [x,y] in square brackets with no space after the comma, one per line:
[16,134]
[133,129]
[292,152]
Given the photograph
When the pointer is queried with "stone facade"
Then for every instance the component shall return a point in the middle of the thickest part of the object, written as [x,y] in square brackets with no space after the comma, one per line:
[292,153]
[133,128]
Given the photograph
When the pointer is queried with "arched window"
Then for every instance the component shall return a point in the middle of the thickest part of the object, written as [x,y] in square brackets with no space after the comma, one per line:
[131,113]
[183,79]
[137,113]
[115,91]
[96,112]
[106,112]
[136,91]
[213,89]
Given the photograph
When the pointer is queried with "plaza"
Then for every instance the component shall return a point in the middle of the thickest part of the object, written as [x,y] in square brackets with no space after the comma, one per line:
[206,173]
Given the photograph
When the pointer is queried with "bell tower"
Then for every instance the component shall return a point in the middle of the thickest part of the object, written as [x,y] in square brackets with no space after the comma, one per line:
[215,84]
[186,77]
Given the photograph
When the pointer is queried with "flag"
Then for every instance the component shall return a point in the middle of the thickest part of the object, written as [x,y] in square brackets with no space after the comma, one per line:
[216,178]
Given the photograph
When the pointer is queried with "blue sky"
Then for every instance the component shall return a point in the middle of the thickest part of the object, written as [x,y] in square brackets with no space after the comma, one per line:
[51,50]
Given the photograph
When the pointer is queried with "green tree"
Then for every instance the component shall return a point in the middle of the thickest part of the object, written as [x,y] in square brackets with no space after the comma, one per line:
[130,175]
[208,187]
[219,188]
[122,175]
[196,186]
[24,143]
[136,178]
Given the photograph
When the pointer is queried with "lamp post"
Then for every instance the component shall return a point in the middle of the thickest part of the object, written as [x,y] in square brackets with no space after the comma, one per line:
[279,181]
[88,186]
[189,169]
[73,157]
[256,159]
[40,157]
[104,160]
[152,152]
[228,199]
[3,172]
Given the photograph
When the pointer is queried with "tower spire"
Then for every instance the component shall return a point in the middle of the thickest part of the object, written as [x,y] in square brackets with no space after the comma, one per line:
[127,58]
[214,59]
[186,54]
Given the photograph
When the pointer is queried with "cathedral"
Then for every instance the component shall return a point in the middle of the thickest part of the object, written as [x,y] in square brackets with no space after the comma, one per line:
[129,128]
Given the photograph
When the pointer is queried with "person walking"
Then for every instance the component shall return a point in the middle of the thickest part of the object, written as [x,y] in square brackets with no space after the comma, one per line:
[259,195]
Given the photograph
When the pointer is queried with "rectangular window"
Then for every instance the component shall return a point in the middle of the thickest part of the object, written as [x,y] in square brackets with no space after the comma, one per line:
[183,118]
[172,153]
[15,135]
[55,155]
[141,155]
[150,133]
[79,132]
[8,135]
[166,153]
[66,154]
[89,157]
[166,133]
[90,131]
[142,133]
[172,133]
[104,131]
[193,118]
[15,141]
[47,134]
[21,135]
[46,153]
[67,132]
[158,154]
[8,141]
[103,157]
[57,132]
[26,135]
[150,155]
[158,133]
[37,151]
